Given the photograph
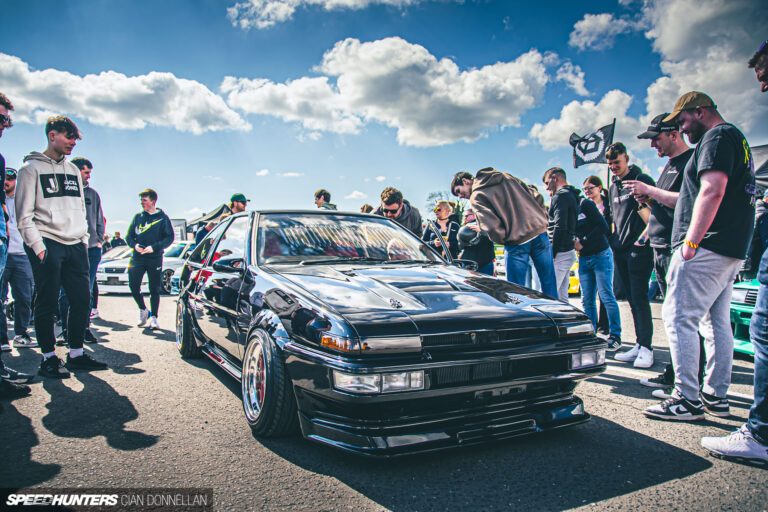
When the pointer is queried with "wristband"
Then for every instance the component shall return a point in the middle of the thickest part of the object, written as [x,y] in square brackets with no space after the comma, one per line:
[691,244]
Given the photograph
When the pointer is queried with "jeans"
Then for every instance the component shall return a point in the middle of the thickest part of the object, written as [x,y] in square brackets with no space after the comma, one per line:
[635,266]
[596,276]
[63,266]
[516,259]
[758,333]
[94,258]
[487,269]
[661,259]
[17,274]
[699,300]
[563,262]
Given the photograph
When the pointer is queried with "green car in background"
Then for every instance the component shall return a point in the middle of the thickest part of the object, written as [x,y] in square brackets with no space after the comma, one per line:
[743,303]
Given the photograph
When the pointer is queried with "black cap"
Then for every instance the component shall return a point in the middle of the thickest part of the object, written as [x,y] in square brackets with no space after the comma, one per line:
[657,126]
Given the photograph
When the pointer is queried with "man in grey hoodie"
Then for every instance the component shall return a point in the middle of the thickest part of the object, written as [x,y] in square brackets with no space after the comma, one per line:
[95,217]
[50,215]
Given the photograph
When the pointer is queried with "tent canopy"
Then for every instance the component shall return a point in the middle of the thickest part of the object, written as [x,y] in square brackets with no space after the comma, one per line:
[214,215]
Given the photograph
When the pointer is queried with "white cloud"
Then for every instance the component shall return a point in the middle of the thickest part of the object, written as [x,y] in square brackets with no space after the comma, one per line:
[598,31]
[573,76]
[381,178]
[194,212]
[212,178]
[262,172]
[430,102]
[523,142]
[312,101]
[291,174]
[583,117]
[266,13]
[356,195]
[116,100]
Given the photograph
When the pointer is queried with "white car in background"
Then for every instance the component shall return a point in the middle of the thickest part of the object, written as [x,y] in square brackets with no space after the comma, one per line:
[112,275]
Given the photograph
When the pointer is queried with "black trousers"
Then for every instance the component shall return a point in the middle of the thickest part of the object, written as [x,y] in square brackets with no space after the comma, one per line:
[64,266]
[635,266]
[661,259]
[154,270]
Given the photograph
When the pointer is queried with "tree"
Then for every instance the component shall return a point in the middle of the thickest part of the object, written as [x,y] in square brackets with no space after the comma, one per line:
[459,205]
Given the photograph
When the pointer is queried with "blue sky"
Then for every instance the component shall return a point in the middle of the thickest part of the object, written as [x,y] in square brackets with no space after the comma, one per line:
[277,98]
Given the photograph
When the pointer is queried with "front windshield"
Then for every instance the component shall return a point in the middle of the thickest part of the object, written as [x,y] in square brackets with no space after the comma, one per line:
[309,239]
[175,250]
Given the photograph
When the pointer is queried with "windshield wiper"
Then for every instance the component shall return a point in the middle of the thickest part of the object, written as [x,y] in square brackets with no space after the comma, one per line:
[402,262]
[320,261]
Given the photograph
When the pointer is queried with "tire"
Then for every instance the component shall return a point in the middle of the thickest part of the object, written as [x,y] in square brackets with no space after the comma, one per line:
[185,340]
[267,394]
[165,288]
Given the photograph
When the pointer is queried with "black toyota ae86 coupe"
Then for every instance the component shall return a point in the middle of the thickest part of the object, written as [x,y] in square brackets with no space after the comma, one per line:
[351,329]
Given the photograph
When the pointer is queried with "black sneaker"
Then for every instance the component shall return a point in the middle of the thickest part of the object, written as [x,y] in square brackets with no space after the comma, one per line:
[714,405]
[89,337]
[614,342]
[12,375]
[676,409]
[62,340]
[12,390]
[53,369]
[84,362]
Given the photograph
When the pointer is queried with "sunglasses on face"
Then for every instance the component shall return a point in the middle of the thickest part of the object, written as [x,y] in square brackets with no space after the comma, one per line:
[589,188]
[390,211]
[5,120]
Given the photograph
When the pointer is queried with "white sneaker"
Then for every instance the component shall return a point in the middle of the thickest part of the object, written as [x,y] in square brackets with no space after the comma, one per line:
[94,313]
[663,394]
[628,355]
[644,358]
[153,323]
[5,347]
[143,317]
[23,341]
[739,445]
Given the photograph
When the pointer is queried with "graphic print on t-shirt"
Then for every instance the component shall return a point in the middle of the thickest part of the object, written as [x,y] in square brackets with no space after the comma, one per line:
[59,185]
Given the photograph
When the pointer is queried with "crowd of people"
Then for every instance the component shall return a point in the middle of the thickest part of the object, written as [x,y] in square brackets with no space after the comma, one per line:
[692,228]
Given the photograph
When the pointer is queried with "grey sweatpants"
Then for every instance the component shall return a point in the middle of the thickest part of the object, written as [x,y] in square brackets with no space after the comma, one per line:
[698,300]
[563,263]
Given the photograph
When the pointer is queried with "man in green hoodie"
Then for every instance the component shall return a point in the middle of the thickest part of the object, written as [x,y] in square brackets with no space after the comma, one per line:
[56,245]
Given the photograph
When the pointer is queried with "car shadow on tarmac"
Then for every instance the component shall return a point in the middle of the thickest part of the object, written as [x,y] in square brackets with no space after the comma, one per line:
[552,471]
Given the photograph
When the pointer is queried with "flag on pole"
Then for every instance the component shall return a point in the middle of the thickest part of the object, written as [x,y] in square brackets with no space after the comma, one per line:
[591,148]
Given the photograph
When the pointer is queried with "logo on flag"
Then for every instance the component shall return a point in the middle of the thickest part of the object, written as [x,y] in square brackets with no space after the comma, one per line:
[590,149]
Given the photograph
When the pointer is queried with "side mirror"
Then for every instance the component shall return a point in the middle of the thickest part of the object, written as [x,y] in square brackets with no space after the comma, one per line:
[229,265]
[467,264]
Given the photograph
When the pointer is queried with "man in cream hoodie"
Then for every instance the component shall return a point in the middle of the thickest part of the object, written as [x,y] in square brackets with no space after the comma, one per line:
[50,215]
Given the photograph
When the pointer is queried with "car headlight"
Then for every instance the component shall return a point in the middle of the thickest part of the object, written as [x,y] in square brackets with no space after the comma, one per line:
[371,383]
[581,328]
[587,358]
[739,295]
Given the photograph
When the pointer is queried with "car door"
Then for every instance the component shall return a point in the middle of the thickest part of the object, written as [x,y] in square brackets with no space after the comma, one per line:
[218,293]
[196,263]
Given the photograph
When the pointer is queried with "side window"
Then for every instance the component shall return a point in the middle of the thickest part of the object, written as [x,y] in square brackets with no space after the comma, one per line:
[202,251]
[232,242]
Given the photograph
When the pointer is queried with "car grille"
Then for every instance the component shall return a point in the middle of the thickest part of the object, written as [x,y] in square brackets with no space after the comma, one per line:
[514,369]
[114,270]
[525,336]
[751,298]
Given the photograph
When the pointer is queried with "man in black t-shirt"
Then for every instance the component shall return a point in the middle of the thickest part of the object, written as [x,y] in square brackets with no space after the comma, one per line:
[667,140]
[633,258]
[712,228]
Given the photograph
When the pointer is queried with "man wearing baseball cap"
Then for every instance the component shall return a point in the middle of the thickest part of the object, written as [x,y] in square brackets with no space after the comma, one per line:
[666,139]
[712,229]
[238,202]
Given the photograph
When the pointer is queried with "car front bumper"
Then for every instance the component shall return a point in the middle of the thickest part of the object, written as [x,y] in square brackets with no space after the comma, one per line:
[439,417]
[117,283]
[741,316]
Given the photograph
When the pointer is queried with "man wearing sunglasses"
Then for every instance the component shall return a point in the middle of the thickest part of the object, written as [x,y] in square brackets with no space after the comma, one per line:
[12,383]
[759,62]
[394,207]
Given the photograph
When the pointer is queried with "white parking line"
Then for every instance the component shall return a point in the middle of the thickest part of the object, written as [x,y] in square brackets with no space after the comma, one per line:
[641,375]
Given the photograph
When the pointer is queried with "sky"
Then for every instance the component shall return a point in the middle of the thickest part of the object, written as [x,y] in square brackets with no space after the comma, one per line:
[199,99]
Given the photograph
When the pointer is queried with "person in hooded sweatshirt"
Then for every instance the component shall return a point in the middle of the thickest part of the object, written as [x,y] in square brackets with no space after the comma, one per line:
[150,233]
[563,211]
[509,214]
[394,207]
[50,215]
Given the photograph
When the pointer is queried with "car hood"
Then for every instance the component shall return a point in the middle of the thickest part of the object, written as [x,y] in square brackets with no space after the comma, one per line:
[405,300]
